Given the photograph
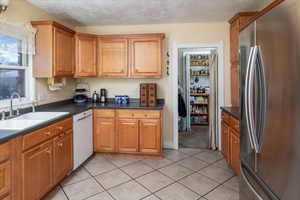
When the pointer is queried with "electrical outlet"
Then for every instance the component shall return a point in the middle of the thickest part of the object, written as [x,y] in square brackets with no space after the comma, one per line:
[40,97]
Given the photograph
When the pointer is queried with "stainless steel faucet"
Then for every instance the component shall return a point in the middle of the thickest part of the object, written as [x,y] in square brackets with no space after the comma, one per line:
[11,111]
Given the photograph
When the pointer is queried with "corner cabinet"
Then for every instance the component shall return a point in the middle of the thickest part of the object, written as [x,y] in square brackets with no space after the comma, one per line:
[86,55]
[55,50]
[146,57]
[230,141]
[128,131]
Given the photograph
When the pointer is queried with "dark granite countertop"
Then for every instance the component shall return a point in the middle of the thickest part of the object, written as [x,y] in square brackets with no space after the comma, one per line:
[232,110]
[72,109]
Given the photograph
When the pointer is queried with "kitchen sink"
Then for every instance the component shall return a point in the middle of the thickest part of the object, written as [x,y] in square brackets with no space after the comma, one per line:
[43,116]
[13,124]
[29,120]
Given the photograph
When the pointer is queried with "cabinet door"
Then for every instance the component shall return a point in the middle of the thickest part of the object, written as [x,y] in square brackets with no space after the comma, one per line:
[146,57]
[64,53]
[235,85]
[225,141]
[234,151]
[128,133]
[112,58]
[5,178]
[37,171]
[63,156]
[86,56]
[234,41]
[104,134]
[150,136]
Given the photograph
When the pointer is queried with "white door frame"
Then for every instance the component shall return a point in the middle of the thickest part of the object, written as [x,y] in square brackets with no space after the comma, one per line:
[174,79]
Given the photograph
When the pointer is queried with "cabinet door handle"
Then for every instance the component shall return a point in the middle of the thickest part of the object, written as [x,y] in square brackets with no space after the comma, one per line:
[48,133]
[48,151]
[60,144]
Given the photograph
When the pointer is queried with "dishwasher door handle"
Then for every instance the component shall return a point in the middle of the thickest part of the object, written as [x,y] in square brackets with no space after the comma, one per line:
[82,118]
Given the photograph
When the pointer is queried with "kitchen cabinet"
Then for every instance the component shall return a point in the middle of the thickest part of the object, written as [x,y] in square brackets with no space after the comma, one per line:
[237,23]
[46,158]
[146,57]
[86,55]
[113,57]
[104,134]
[128,131]
[234,151]
[63,156]
[55,50]
[5,177]
[150,136]
[128,135]
[37,171]
[230,141]
[225,141]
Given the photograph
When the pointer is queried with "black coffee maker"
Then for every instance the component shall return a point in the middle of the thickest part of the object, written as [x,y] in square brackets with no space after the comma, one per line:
[103,96]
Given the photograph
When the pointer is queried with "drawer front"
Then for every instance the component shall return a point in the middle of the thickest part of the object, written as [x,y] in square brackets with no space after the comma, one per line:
[5,178]
[63,125]
[235,123]
[139,114]
[38,136]
[104,113]
[5,151]
[225,117]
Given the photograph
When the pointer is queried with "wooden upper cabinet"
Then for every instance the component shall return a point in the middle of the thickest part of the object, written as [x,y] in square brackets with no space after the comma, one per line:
[55,50]
[146,57]
[113,57]
[86,55]
[237,23]
[150,136]
[64,55]
[104,134]
[37,171]
[128,135]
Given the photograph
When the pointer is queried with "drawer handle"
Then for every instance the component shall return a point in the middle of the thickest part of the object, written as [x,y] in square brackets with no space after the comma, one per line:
[48,133]
[132,115]
[146,115]
[48,151]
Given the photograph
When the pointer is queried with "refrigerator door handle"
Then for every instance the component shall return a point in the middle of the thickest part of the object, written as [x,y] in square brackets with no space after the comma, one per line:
[248,88]
[243,175]
[263,103]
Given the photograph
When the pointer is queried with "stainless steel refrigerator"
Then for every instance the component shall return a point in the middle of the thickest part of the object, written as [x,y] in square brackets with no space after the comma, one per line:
[270,105]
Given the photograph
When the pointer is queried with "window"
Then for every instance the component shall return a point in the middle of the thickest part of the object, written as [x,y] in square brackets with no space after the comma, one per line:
[15,64]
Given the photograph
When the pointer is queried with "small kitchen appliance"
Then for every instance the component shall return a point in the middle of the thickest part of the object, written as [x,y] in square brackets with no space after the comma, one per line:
[103,95]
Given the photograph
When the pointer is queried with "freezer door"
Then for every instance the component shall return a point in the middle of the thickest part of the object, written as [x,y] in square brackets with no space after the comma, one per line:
[277,161]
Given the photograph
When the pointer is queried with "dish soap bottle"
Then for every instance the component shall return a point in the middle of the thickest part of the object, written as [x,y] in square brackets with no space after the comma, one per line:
[95,97]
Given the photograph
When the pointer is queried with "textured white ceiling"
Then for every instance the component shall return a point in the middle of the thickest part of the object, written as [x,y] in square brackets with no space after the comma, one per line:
[103,12]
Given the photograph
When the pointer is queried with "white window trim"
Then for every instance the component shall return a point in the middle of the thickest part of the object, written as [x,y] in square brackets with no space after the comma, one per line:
[29,80]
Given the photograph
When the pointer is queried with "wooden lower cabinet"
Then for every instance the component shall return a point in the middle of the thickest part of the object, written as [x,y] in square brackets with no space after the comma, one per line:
[128,135]
[225,140]
[37,171]
[235,151]
[150,137]
[231,142]
[5,178]
[42,166]
[63,156]
[104,134]
[128,131]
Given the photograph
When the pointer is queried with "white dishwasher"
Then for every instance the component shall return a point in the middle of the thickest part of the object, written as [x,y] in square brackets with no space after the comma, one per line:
[82,137]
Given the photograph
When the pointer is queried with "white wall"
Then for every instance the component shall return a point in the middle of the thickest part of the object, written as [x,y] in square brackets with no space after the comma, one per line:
[185,33]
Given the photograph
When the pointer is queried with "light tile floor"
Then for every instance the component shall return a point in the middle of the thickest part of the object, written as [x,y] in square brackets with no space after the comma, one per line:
[186,174]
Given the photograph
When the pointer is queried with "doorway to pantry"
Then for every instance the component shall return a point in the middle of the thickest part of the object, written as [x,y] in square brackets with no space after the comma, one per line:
[197,97]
